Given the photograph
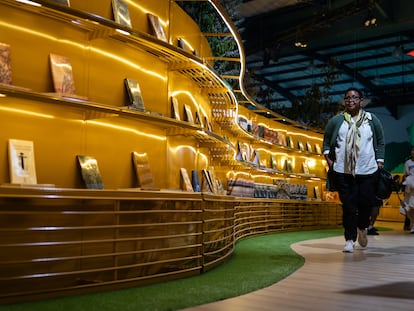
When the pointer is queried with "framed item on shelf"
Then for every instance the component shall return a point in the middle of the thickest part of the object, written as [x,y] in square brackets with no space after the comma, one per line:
[188,114]
[318,149]
[175,112]
[185,46]
[62,74]
[143,171]
[156,27]
[206,182]
[255,158]
[197,119]
[134,94]
[301,147]
[289,142]
[317,193]
[288,165]
[185,181]
[121,13]
[309,147]
[207,124]
[213,179]
[5,64]
[273,162]
[195,181]
[22,162]
[62,2]
[305,167]
[90,173]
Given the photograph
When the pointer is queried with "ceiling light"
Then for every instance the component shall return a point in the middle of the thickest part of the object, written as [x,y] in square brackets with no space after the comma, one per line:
[301,44]
[370,20]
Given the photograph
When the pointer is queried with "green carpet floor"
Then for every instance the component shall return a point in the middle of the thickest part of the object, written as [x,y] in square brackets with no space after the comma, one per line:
[257,262]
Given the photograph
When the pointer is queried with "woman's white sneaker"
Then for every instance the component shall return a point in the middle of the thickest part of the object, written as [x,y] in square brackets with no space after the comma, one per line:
[349,246]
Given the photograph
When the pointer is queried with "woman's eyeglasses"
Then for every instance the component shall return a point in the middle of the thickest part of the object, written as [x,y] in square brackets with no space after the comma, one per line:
[353,97]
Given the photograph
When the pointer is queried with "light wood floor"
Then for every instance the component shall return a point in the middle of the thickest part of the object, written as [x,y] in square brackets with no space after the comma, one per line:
[380,277]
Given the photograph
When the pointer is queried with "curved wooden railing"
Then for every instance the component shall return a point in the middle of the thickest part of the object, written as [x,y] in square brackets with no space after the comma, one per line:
[56,242]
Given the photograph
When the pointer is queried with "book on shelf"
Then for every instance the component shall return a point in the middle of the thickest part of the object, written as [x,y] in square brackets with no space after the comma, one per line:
[273,162]
[301,146]
[317,193]
[305,167]
[289,142]
[318,149]
[213,178]
[289,168]
[142,170]
[208,124]
[185,181]
[22,166]
[309,147]
[175,112]
[5,64]
[121,13]
[90,173]
[62,2]
[188,114]
[255,158]
[185,46]
[195,181]
[197,119]
[156,27]
[206,182]
[134,94]
[62,74]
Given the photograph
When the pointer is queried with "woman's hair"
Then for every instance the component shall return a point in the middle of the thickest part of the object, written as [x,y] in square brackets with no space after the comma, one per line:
[361,95]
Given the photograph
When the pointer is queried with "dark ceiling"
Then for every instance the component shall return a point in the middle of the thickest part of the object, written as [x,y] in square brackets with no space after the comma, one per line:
[372,58]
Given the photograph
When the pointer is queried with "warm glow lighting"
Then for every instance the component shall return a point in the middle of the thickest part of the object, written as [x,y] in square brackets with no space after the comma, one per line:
[122,32]
[411,53]
[29,2]
[311,163]
[99,51]
[127,129]
[181,148]
[30,113]
[228,175]
[304,135]
[175,93]
[263,176]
